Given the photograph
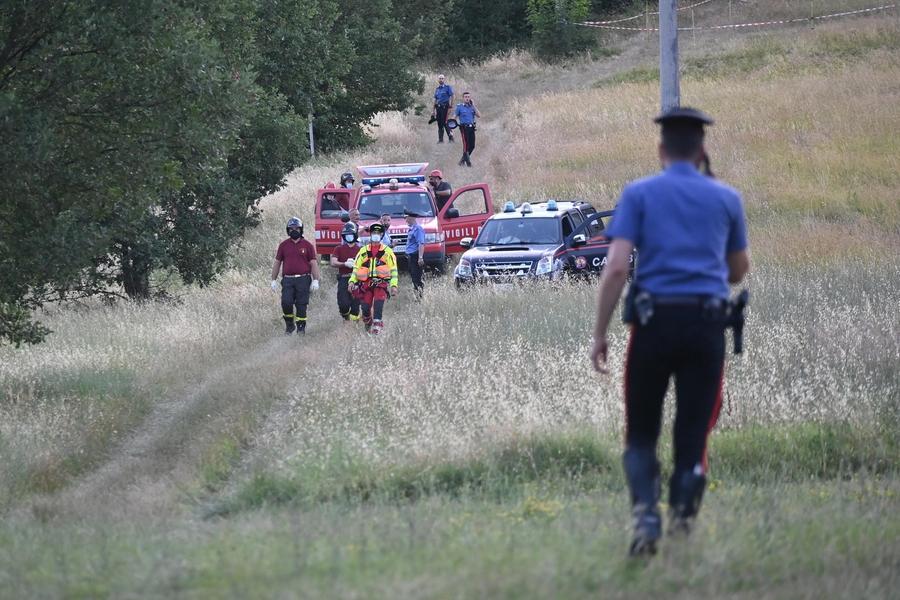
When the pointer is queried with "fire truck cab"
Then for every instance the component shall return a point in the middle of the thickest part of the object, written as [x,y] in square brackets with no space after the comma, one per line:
[393,189]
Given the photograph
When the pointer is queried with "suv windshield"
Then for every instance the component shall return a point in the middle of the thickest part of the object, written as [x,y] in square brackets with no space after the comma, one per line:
[527,230]
[375,205]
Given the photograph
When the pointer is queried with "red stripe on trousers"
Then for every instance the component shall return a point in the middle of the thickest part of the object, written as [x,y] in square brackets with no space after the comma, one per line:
[714,417]
[625,382]
[465,139]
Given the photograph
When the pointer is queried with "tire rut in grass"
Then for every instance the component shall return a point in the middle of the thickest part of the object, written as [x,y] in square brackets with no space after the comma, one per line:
[155,471]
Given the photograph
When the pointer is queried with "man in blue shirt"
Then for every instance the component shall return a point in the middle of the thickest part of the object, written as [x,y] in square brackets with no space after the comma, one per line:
[466,112]
[415,252]
[443,100]
[691,238]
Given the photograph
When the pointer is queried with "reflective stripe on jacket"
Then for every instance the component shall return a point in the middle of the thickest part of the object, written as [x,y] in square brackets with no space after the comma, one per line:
[381,265]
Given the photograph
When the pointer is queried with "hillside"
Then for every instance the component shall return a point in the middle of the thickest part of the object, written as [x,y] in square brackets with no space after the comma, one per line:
[186,449]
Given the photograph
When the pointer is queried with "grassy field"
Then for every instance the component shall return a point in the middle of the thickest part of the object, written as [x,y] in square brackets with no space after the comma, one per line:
[186,449]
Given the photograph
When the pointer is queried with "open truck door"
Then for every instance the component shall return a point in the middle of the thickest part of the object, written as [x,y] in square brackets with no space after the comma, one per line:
[331,204]
[464,214]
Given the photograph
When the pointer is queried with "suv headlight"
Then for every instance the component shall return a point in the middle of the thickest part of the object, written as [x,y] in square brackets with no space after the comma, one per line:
[464,268]
[434,238]
[545,265]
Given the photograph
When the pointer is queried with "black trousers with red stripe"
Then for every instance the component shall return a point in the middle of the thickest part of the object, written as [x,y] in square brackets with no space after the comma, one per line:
[468,140]
[687,344]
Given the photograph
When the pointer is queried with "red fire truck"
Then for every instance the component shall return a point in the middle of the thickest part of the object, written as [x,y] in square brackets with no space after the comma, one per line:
[393,189]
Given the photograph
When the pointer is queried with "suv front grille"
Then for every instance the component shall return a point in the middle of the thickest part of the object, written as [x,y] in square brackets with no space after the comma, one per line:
[399,239]
[518,268]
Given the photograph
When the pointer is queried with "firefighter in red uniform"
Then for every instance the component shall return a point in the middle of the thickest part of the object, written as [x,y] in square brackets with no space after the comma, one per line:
[296,260]
[344,258]
[374,277]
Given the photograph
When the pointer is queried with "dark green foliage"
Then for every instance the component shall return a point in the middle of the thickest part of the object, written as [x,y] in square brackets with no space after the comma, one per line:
[379,77]
[554,34]
[477,29]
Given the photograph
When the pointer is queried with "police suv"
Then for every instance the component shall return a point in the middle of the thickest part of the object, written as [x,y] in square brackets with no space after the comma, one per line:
[540,241]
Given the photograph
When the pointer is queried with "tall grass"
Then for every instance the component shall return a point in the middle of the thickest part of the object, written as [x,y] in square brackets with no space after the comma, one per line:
[470,451]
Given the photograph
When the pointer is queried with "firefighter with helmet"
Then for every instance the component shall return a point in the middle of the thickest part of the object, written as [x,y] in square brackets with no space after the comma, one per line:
[347,180]
[296,260]
[374,277]
[344,258]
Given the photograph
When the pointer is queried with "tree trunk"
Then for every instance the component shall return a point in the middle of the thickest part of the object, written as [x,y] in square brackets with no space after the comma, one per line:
[136,267]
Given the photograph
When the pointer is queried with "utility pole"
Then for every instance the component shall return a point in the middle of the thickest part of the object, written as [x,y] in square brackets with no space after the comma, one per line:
[669,89]
[312,141]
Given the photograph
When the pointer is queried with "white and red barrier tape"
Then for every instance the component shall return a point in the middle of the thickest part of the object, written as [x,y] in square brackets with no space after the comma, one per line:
[603,25]
[642,15]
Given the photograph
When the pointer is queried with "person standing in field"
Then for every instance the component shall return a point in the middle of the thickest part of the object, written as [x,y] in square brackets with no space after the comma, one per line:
[344,259]
[466,113]
[443,100]
[296,260]
[374,277]
[415,252]
[691,238]
[441,189]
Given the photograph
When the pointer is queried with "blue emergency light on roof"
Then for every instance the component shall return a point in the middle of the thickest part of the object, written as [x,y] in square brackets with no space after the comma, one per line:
[551,205]
[510,206]
[373,181]
[526,208]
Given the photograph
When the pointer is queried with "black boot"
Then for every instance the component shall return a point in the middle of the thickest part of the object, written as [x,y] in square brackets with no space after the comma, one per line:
[686,489]
[301,327]
[289,325]
[642,473]
[463,160]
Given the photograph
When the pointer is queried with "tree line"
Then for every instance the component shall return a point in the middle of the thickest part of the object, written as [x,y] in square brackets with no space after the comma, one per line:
[139,135]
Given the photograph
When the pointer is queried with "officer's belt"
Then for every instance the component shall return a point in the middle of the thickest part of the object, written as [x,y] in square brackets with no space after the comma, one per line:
[304,275]
[705,301]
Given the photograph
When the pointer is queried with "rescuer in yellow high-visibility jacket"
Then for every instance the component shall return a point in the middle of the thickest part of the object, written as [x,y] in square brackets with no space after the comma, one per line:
[374,273]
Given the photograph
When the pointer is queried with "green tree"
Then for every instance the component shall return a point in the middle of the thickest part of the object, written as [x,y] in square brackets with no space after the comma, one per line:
[553,33]
[114,116]
[427,24]
[478,28]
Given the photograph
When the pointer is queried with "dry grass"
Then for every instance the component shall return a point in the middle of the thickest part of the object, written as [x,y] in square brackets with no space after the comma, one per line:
[132,421]
[810,142]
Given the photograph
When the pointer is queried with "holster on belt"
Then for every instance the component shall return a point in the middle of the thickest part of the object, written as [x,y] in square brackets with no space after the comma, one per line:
[638,306]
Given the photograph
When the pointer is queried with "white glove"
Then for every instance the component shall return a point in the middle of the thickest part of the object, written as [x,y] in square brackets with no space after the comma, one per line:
[349,263]
[314,286]
[274,285]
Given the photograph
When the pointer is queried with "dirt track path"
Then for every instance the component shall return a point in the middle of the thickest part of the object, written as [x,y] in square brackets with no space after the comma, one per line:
[154,472]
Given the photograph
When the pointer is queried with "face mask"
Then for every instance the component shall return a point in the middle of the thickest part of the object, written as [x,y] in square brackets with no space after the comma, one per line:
[348,239]
[295,235]
[376,237]
[348,184]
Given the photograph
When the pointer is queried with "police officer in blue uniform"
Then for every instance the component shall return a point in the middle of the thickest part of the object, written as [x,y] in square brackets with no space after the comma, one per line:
[415,252]
[443,100]
[690,234]
[466,112]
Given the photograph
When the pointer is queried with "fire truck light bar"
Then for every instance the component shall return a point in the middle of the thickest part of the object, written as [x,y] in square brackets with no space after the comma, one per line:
[373,181]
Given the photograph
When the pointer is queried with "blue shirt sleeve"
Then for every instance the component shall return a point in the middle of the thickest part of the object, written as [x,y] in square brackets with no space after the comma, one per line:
[626,221]
[737,232]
